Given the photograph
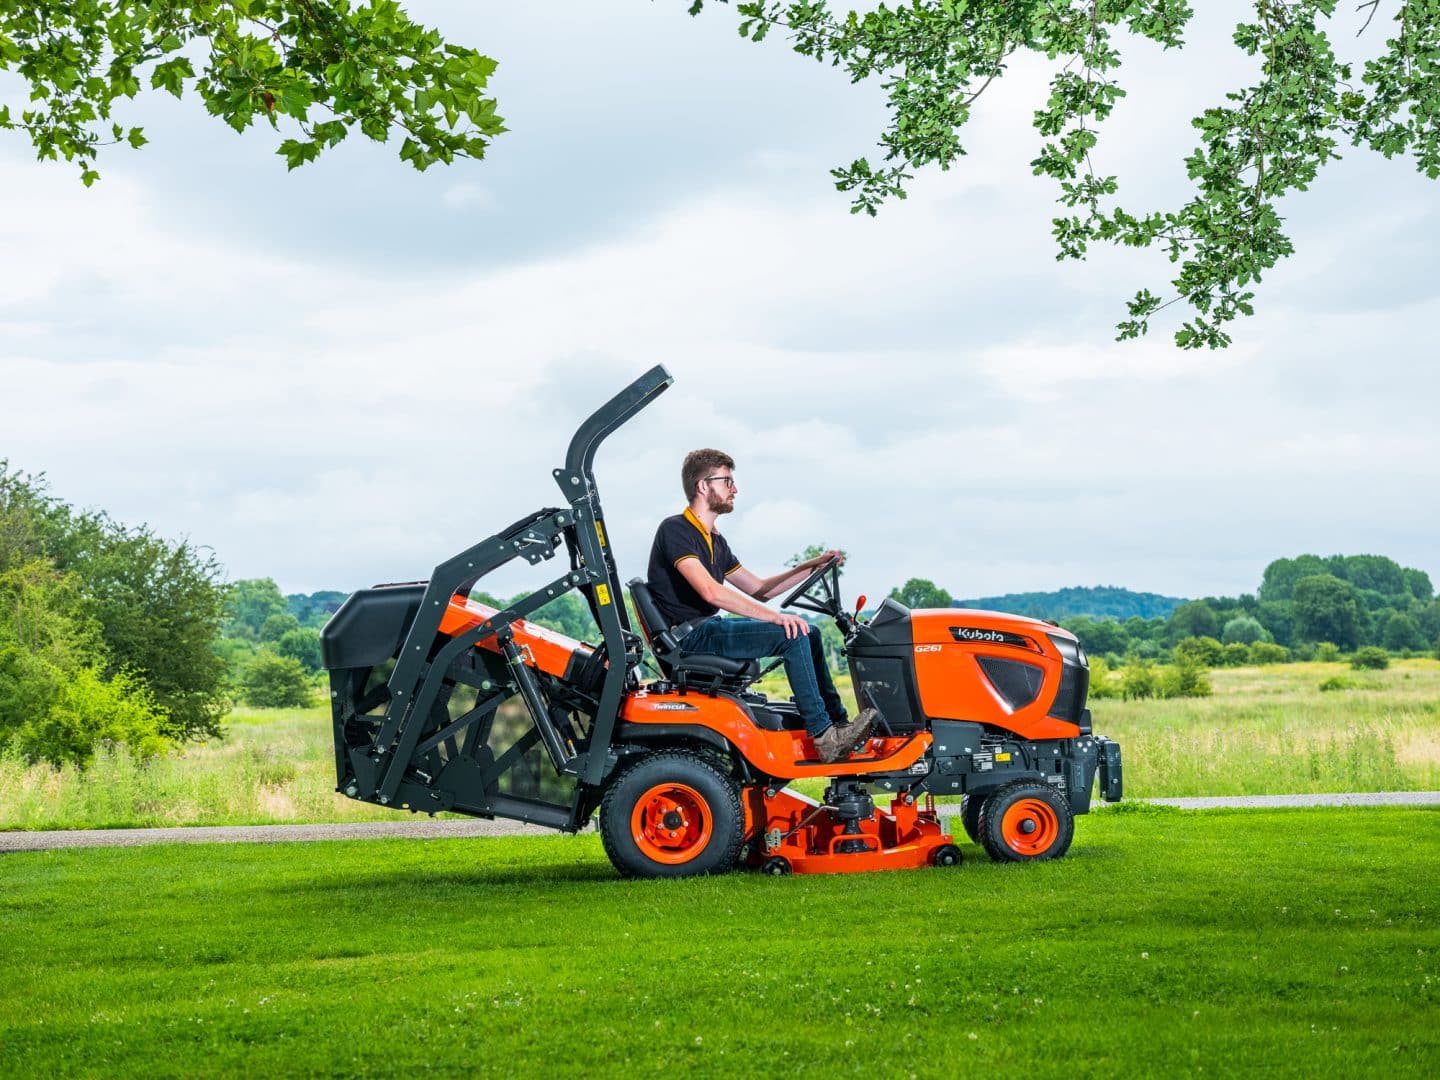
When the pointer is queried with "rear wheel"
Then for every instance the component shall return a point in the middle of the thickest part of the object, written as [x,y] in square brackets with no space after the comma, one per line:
[970,815]
[1026,822]
[672,814]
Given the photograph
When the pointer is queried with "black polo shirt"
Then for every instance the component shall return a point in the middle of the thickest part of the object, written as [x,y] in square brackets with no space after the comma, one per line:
[679,538]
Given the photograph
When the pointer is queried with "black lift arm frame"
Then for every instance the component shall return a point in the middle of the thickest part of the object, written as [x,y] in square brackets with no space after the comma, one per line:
[416,682]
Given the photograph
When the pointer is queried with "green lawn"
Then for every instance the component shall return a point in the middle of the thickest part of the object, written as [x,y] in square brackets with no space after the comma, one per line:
[1292,943]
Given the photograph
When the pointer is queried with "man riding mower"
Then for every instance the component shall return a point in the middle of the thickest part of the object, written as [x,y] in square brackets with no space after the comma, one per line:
[443,703]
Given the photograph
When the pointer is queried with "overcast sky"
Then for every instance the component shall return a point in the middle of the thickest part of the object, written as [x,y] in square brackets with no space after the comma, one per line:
[343,375]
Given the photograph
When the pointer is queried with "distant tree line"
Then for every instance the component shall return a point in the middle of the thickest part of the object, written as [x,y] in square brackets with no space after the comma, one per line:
[1305,607]
[1102,601]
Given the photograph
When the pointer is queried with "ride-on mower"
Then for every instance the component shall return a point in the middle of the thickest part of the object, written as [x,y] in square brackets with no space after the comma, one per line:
[443,703]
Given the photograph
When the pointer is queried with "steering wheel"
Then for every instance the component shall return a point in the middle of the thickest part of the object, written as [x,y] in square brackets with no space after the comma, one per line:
[817,575]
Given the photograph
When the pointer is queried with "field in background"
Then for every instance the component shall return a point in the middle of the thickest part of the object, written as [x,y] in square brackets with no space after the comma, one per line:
[1268,730]
[1289,943]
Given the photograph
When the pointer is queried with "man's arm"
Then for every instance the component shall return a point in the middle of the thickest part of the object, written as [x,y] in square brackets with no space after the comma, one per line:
[765,588]
[736,602]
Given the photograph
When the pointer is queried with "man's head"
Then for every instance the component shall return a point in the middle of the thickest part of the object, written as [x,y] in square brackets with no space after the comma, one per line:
[708,475]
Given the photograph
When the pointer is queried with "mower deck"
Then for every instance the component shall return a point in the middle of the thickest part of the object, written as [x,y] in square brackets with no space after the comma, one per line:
[801,836]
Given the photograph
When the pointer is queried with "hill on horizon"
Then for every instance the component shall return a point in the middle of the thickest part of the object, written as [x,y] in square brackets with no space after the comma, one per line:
[1097,601]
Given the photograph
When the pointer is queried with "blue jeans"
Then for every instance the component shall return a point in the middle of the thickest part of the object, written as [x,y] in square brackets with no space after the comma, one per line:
[750,639]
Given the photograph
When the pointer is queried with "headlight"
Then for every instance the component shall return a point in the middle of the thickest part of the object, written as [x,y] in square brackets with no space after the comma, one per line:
[1070,649]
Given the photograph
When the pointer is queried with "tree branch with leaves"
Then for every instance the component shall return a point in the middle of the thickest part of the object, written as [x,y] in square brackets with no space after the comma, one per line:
[935,58]
[321,69]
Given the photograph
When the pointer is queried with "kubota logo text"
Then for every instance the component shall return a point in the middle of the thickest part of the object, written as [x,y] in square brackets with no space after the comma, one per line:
[967,633]
[994,637]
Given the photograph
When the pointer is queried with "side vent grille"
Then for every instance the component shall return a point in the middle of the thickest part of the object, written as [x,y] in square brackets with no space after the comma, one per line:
[1018,683]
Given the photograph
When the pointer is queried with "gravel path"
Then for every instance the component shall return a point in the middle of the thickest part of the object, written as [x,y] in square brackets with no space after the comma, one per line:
[426,829]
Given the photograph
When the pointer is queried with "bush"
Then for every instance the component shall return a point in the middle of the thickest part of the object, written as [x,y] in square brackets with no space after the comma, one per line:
[276,682]
[1236,654]
[1205,651]
[1370,658]
[89,711]
[1337,682]
[1138,679]
[1327,652]
[1103,685]
[1184,678]
[1267,652]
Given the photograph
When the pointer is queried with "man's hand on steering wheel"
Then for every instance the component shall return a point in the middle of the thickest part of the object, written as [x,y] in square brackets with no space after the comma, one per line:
[833,553]
[825,565]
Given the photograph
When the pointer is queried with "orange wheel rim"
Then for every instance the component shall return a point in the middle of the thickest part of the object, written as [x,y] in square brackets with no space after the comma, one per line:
[671,823]
[1030,827]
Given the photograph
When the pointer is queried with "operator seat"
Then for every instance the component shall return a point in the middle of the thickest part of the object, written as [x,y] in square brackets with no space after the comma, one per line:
[700,671]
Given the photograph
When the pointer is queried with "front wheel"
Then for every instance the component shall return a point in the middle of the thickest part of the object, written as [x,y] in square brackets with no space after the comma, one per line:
[1026,822]
[672,814]
[970,815]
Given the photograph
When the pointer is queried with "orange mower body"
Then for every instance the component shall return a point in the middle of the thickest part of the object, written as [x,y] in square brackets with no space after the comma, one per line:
[442,703]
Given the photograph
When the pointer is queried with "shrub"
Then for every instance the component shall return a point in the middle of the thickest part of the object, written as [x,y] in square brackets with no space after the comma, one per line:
[1337,682]
[1267,652]
[1184,678]
[1303,651]
[276,682]
[1370,658]
[89,711]
[1205,651]
[1138,679]
[1104,685]
[1236,654]
[1327,652]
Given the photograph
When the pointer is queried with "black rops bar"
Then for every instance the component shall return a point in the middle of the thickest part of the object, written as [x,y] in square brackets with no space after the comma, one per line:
[607,606]
[415,683]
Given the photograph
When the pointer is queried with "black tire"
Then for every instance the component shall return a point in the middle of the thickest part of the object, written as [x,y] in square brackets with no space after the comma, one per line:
[970,815]
[672,814]
[946,855]
[776,866]
[1026,822]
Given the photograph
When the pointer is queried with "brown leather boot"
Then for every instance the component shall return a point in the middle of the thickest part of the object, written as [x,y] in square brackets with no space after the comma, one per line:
[838,740]
[858,730]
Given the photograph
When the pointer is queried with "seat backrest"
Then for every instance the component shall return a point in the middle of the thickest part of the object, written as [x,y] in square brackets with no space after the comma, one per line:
[652,623]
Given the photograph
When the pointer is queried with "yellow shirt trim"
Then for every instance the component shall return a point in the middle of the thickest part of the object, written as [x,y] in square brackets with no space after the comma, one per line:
[709,543]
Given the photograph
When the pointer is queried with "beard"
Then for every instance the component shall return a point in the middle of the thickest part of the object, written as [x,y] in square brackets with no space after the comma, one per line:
[718,505]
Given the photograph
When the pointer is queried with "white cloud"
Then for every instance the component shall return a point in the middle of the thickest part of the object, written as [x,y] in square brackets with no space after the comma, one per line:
[928,390]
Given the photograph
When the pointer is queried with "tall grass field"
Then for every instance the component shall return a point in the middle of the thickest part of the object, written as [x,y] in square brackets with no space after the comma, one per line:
[1293,943]
[1265,730]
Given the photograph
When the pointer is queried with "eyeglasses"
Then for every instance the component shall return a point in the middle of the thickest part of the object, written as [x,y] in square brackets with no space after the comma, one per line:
[729,481]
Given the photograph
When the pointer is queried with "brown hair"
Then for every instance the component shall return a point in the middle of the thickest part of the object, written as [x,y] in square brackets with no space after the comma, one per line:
[698,464]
